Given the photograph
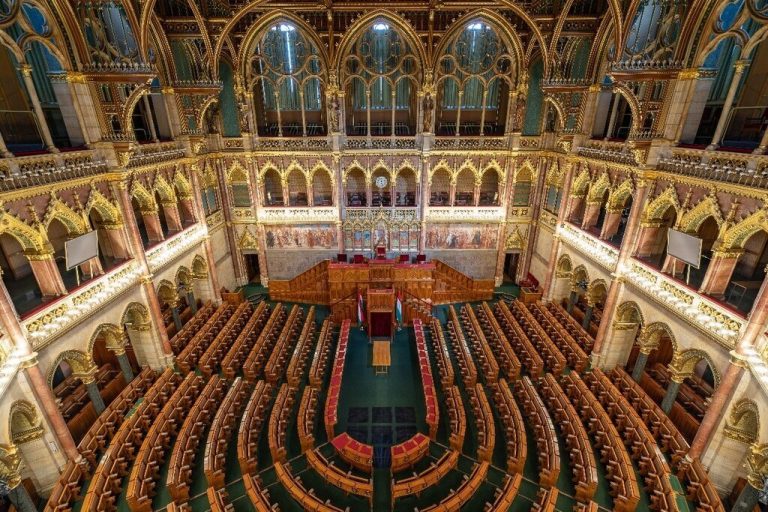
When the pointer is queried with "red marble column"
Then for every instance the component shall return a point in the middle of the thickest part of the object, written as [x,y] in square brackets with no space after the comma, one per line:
[40,388]
[724,392]
[187,210]
[719,274]
[647,240]
[211,261]
[172,217]
[538,195]
[631,239]
[47,275]
[591,214]
[138,250]
[92,268]
[118,244]
[610,225]
[153,227]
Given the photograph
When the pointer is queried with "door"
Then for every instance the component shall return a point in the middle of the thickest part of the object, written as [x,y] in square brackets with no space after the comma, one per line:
[252,267]
[510,267]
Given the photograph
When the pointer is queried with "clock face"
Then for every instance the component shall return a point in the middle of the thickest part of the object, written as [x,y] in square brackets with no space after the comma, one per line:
[381,182]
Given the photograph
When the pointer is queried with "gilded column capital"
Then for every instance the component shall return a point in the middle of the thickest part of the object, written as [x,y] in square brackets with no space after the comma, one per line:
[688,74]
[88,376]
[28,361]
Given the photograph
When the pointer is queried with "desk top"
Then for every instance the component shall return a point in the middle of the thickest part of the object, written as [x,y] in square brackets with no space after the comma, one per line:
[381,354]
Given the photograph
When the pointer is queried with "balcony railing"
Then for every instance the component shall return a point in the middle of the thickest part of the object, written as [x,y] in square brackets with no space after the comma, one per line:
[167,251]
[277,215]
[468,214]
[63,314]
[597,250]
[30,171]
[292,143]
[737,168]
[698,310]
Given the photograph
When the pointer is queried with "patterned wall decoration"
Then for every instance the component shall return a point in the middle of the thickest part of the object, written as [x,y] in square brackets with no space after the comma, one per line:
[313,236]
[462,236]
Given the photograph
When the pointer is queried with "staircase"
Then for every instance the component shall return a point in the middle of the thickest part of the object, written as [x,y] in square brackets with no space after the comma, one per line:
[309,287]
[452,286]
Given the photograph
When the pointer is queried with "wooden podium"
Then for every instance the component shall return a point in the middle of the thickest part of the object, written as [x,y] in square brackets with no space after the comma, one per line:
[380,304]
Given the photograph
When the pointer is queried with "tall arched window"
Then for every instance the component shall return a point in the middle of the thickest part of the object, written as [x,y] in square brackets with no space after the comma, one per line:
[475,74]
[285,75]
[381,75]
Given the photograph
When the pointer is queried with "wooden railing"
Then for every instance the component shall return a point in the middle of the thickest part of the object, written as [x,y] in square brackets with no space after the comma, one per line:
[309,287]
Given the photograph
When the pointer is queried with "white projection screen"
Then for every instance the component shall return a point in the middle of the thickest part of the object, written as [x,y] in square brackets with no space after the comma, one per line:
[81,249]
[684,247]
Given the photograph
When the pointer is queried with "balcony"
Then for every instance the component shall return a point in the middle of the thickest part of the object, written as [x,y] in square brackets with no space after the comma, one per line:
[597,250]
[283,215]
[42,170]
[163,253]
[59,316]
[465,214]
[737,168]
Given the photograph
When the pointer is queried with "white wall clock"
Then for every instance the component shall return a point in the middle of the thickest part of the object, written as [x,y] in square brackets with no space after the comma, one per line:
[381,181]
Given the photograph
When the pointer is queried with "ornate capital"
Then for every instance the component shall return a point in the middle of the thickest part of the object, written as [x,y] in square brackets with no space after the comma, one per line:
[688,74]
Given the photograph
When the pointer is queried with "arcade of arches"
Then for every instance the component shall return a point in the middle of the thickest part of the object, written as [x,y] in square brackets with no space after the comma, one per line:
[439,255]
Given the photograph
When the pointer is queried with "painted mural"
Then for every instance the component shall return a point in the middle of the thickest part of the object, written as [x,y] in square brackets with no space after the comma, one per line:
[462,236]
[314,236]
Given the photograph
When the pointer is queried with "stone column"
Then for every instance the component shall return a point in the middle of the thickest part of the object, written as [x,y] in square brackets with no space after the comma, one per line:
[118,244]
[147,350]
[125,364]
[241,274]
[45,133]
[191,300]
[572,299]
[612,120]
[174,305]
[761,149]
[640,362]
[739,67]
[587,317]
[47,274]
[149,117]
[591,214]
[747,500]
[89,379]
[524,266]
[610,224]
[672,389]
[20,497]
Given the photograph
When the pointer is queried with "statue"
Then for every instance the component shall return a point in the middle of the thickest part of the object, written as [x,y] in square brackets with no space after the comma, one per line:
[212,119]
[520,112]
[335,113]
[429,109]
[245,114]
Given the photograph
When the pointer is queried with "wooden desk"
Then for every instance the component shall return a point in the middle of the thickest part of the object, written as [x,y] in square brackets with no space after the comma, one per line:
[529,295]
[382,359]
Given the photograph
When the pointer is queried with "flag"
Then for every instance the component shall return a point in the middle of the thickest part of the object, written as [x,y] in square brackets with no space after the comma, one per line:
[360,317]
[399,308]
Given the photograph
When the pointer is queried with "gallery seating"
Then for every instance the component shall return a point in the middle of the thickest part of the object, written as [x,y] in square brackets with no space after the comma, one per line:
[145,474]
[105,485]
[509,363]
[354,452]
[461,350]
[444,365]
[251,426]
[582,337]
[427,384]
[278,421]
[613,454]
[222,428]
[529,356]
[298,362]
[218,500]
[408,452]
[332,397]
[260,321]
[321,356]
[514,428]
[553,358]
[480,346]
[190,434]
[67,488]
[699,488]
[544,432]
[278,359]
[345,480]
[485,425]
[305,423]
[259,497]
[256,360]
[546,500]
[193,325]
[434,473]
[579,449]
